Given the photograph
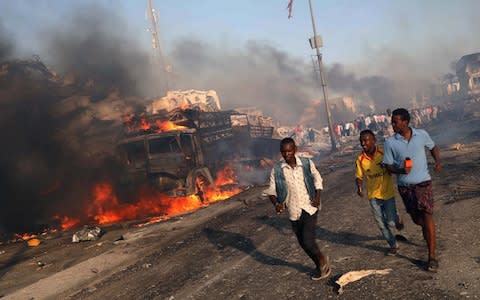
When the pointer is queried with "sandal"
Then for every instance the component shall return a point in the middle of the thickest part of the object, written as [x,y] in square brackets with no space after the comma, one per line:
[324,272]
[432,265]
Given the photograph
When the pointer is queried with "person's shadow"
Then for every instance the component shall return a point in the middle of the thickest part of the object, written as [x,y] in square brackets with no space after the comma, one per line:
[224,239]
[340,237]
[16,258]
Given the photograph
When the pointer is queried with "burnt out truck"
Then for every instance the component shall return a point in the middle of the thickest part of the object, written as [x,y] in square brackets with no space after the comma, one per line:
[182,153]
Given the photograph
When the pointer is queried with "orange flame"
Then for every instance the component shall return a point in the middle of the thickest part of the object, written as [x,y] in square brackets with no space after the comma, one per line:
[105,207]
[67,222]
[164,126]
[25,236]
[226,176]
[144,124]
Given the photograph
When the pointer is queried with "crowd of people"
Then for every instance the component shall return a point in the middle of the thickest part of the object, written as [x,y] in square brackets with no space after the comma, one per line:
[378,123]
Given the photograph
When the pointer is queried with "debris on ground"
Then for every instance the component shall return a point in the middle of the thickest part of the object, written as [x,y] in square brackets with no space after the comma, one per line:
[87,234]
[357,275]
[33,242]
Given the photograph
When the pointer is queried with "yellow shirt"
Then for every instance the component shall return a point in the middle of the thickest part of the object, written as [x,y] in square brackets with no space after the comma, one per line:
[379,181]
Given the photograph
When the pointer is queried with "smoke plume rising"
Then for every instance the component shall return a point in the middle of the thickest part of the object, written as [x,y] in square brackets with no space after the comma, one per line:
[59,127]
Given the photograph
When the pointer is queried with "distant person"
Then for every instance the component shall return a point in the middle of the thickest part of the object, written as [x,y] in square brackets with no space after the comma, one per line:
[405,156]
[311,135]
[296,184]
[380,188]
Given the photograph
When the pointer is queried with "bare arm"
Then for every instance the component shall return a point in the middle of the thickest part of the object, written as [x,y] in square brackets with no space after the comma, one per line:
[316,201]
[435,152]
[272,195]
[279,207]
[394,170]
[359,183]
[273,199]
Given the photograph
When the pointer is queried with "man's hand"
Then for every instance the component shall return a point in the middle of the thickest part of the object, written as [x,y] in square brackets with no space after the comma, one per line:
[360,192]
[315,202]
[279,207]
[359,184]
[408,164]
[438,167]
[407,170]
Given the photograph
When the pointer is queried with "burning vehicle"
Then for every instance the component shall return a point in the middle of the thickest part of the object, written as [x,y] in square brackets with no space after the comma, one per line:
[178,152]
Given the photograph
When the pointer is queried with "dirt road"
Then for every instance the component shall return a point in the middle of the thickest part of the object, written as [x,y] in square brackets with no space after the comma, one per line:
[240,249]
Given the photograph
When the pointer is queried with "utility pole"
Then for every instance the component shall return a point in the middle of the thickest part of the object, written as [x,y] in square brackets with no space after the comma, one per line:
[316,42]
[161,69]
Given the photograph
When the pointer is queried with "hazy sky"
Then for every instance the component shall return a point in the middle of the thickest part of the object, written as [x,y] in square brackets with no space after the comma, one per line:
[353,31]
[378,51]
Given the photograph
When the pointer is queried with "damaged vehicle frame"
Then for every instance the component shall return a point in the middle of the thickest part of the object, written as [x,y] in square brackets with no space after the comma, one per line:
[182,161]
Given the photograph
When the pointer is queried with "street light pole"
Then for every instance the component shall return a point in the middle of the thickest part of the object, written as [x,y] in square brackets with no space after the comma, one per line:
[314,42]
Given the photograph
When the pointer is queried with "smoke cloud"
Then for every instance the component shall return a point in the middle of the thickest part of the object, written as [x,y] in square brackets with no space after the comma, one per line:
[6,43]
[93,47]
[59,127]
[257,75]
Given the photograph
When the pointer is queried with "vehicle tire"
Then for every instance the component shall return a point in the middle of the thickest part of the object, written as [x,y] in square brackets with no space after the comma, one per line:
[200,180]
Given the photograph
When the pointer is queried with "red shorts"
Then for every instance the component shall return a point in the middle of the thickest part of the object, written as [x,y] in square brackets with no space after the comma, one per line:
[417,197]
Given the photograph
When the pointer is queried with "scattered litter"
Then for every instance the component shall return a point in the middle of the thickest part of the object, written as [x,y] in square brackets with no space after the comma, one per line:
[42,265]
[94,270]
[2,252]
[457,146]
[120,238]
[87,234]
[33,242]
[357,275]
[146,266]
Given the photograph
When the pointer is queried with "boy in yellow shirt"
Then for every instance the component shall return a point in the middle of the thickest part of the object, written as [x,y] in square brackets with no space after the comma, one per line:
[380,187]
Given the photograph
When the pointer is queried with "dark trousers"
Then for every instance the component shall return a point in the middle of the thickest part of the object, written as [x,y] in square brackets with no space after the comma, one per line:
[304,229]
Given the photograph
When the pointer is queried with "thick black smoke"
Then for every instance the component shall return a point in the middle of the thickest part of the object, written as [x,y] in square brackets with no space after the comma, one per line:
[58,129]
[378,92]
[94,48]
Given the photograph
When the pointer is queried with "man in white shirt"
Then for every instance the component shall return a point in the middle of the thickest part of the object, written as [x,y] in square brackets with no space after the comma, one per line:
[296,184]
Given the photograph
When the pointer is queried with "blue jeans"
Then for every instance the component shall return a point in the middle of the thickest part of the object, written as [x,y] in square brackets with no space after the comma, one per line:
[385,214]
